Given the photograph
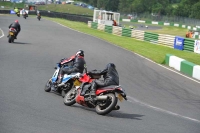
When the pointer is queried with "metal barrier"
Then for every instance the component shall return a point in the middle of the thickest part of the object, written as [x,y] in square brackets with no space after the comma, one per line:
[4,11]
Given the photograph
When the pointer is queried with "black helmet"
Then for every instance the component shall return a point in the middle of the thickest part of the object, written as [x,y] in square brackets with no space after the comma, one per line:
[111,65]
[80,53]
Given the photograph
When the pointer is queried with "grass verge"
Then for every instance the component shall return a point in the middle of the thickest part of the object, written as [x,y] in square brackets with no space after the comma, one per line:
[171,30]
[154,52]
[66,8]
[10,5]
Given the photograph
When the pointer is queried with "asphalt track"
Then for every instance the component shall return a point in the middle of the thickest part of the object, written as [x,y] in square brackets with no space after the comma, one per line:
[160,101]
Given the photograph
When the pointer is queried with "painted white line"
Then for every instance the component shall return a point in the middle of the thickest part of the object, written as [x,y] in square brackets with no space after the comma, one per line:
[161,110]
[2,33]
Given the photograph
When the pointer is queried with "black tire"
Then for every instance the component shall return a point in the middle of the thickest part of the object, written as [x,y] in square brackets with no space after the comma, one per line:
[47,87]
[13,38]
[10,39]
[103,109]
[70,97]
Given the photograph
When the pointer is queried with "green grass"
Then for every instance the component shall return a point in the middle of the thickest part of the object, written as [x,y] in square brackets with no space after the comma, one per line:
[171,30]
[67,8]
[154,52]
[9,5]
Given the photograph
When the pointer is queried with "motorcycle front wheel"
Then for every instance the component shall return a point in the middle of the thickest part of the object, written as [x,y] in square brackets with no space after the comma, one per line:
[105,107]
[47,87]
[70,97]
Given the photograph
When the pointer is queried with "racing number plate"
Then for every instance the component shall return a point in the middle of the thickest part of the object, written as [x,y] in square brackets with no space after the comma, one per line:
[11,33]
[120,97]
[77,83]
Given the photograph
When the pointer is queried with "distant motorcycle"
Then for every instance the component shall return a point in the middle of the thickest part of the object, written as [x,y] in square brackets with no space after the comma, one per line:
[12,34]
[38,17]
[69,81]
[18,14]
[25,15]
[106,97]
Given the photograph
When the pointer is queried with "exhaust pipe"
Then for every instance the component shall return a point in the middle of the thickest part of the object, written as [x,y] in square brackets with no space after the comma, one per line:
[101,97]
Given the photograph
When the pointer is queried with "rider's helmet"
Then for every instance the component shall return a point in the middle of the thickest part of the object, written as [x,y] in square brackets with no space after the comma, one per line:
[16,21]
[110,65]
[80,53]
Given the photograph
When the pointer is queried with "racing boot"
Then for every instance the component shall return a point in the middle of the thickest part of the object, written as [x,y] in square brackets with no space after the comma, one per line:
[59,82]
[93,91]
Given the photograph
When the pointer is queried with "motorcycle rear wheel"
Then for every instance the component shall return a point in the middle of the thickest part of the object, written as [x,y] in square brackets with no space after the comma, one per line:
[47,87]
[70,97]
[10,39]
[107,106]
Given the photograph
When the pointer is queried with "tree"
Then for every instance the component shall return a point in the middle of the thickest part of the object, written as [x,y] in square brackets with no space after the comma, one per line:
[195,12]
[125,6]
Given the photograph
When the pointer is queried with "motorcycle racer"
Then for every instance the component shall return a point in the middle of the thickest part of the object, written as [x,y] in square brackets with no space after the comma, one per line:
[16,26]
[78,63]
[110,76]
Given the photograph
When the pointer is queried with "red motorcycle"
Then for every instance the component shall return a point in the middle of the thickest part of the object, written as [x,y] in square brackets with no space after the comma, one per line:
[106,97]
[12,34]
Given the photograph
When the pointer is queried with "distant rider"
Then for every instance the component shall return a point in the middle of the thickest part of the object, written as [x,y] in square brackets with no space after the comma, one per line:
[78,65]
[38,13]
[16,10]
[23,12]
[16,26]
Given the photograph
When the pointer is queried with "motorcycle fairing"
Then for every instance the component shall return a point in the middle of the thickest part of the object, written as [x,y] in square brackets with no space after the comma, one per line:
[80,99]
[104,89]
[12,29]
[67,77]
[113,88]
[55,75]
